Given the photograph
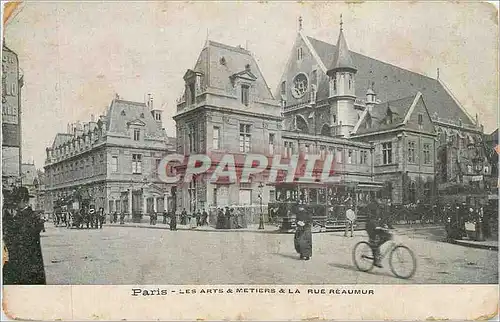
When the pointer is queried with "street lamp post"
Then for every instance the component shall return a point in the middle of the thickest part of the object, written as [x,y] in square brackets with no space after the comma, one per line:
[261,219]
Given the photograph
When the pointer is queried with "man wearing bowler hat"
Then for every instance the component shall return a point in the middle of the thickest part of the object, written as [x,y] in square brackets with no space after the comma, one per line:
[21,231]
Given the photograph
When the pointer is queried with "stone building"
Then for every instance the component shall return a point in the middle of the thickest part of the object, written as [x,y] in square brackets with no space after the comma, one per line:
[113,159]
[227,107]
[12,82]
[409,126]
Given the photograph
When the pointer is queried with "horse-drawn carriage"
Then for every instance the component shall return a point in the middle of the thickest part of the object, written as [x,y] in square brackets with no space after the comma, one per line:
[70,211]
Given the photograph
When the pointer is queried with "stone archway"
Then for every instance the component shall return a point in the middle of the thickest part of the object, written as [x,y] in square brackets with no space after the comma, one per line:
[325,130]
[301,124]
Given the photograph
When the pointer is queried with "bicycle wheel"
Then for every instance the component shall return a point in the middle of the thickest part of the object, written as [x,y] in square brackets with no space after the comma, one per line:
[362,255]
[402,262]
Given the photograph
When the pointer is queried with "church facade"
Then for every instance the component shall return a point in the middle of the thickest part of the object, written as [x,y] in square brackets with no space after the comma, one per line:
[382,123]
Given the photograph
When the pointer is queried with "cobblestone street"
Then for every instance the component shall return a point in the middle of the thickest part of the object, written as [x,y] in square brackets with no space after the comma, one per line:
[127,255]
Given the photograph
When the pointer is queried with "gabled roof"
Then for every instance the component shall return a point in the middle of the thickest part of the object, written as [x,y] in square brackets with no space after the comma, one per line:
[218,62]
[392,83]
[122,113]
[381,115]
[245,74]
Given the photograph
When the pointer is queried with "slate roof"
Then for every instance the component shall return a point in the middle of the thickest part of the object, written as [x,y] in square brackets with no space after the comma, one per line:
[380,116]
[392,83]
[343,58]
[217,74]
[122,112]
[61,138]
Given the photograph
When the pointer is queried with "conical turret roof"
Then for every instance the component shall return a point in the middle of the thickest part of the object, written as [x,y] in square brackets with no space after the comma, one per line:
[343,58]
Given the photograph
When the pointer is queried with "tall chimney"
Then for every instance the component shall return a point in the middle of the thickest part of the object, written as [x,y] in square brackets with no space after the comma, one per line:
[92,118]
[151,102]
[68,128]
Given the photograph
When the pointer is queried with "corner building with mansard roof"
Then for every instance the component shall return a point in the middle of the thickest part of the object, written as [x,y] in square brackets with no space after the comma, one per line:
[113,161]
[383,124]
[227,108]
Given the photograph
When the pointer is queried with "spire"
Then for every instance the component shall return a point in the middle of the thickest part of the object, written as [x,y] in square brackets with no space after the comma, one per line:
[300,23]
[343,58]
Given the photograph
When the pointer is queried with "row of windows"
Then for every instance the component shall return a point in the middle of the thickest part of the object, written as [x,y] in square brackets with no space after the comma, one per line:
[76,170]
[136,164]
[387,153]
[412,152]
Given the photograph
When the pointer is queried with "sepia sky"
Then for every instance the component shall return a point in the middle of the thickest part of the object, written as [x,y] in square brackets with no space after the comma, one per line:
[76,56]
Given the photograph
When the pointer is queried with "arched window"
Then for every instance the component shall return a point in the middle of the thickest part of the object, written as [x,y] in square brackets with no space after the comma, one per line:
[325,130]
[302,124]
[427,190]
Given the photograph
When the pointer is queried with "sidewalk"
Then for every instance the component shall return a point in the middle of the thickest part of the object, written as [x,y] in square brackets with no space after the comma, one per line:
[488,244]
[251,228]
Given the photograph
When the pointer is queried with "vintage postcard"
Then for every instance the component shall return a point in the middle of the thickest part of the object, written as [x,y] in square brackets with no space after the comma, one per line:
[250,160]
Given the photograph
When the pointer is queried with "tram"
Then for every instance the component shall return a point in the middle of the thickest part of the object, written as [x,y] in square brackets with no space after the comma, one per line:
[326,201]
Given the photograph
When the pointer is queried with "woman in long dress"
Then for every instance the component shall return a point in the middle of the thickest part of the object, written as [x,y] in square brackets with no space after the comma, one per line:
[303,235]
[192,221]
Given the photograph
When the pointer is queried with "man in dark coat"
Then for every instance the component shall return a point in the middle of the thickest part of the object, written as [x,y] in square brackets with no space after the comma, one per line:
[221,221]
[173,220]
[21,233]
[184,217]
[204,218]
[303,234]
[377,235]
[101,217]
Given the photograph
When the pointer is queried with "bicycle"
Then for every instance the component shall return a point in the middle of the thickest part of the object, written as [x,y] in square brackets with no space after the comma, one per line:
[362,255]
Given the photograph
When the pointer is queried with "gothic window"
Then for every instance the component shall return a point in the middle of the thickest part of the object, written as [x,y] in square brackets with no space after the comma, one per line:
[300,53]
[411,152]
[427,153]
[283,87]
[413,192]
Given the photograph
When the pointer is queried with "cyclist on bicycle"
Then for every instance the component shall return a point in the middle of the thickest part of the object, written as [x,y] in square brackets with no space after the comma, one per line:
[378,235]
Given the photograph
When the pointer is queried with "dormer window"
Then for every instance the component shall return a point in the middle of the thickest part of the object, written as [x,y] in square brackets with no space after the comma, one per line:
[158,117]
[245,94]
[192,93]
[420,119]
[137,134]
